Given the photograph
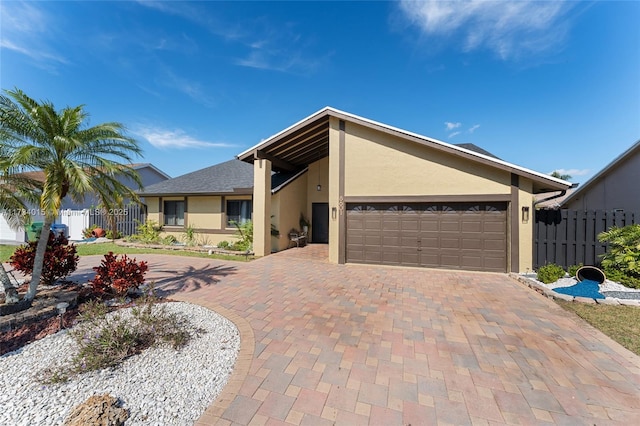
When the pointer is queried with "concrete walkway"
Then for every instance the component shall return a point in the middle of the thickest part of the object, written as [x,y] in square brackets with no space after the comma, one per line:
[335,344]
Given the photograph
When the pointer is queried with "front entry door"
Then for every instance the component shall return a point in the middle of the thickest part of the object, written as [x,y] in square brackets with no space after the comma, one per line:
[320,223]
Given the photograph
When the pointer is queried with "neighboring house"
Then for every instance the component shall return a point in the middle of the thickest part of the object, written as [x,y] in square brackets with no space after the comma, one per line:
[75,215]
[382,195]
[615,187]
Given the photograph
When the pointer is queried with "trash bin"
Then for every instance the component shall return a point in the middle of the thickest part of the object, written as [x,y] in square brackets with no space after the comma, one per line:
[60,229]
[33,230]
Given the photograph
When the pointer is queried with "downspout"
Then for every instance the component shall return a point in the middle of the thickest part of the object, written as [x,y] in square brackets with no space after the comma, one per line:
[553,197]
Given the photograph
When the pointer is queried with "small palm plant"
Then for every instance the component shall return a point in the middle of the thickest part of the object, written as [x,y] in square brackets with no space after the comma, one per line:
[621,262]
[76,159]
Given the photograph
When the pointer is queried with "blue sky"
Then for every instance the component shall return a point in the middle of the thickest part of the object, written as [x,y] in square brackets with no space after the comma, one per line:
[545,85]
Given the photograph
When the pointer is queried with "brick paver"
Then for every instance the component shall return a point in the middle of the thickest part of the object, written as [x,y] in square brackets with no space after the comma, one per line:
[350,344]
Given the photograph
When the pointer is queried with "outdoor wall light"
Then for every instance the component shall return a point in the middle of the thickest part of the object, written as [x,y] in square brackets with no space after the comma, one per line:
[334,213]
[525,214]
[319,187]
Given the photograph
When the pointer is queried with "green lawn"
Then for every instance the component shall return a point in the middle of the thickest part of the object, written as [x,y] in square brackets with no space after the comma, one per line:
[102,248]
[621,323]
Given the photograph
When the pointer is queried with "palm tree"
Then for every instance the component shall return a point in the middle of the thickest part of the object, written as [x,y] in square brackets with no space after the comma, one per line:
[557,174]
[16,190]
[76,159]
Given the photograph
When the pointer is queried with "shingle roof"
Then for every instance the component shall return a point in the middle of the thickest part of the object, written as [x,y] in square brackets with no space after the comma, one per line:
[476,148]
[232,176]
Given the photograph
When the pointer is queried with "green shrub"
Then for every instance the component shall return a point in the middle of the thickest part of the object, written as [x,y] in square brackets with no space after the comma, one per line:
[113,235]
[189,237]
[223,244]
[550,273]
[148,232]
[168,240]
[244,233]
[621,262]
[573,269]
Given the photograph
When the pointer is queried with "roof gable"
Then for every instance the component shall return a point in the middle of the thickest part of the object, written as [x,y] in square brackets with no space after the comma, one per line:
[307,141]
[633,150]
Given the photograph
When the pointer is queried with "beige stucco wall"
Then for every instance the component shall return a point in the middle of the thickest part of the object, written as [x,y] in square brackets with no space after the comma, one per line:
[152,208]
[377,164]
[203,213]
[286,206]
[525,198]
[262,207]
[334,196]
[393,166]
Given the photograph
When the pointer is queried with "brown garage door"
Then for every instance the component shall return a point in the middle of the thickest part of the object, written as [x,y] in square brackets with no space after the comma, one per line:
[470,236]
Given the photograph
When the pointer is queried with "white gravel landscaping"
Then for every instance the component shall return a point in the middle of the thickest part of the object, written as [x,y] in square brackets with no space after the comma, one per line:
[160,386]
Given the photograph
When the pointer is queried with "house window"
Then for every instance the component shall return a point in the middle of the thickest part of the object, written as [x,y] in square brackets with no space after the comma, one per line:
[238,211]
[174,213]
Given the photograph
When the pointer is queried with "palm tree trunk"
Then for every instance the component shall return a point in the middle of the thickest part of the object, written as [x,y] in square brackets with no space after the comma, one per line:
[38,262]
[11,295]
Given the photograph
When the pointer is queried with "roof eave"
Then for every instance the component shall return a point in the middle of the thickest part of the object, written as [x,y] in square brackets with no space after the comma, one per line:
[549,183]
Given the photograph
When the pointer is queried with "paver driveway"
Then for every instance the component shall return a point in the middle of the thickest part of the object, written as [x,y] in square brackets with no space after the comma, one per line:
[351,344]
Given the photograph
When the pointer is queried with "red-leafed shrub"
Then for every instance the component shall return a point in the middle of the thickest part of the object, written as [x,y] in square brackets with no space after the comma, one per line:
[60,259]
[117,276]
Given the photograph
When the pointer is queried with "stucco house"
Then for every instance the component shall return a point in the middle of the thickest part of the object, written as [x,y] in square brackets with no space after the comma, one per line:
[383,195]
[209,201]
[615,187]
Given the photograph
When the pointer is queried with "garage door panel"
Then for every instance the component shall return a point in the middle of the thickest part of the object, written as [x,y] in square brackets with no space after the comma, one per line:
[448,225]
[493,245]
[372,240]
[472,226]
[494,227]
[450,243]
[391,241]
[448,235]
[472,243]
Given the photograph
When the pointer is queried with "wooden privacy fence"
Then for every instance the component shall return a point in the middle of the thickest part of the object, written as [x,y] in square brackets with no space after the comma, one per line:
[569,237]
[125,217]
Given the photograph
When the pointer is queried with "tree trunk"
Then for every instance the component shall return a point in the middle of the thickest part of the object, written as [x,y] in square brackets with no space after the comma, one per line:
[38,262]
[11,295]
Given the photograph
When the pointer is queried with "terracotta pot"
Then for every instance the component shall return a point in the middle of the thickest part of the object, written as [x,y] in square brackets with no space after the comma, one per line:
[98,233]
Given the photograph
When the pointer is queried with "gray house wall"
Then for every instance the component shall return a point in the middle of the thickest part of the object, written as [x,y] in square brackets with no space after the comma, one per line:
[617,188]
[148,175]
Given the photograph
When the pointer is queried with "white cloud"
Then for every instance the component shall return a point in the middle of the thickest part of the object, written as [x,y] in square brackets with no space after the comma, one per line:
[572,172]
[27,30]
[191,88]
[263,43]
[509,28]
[473,128]
[178,139]
[450,125]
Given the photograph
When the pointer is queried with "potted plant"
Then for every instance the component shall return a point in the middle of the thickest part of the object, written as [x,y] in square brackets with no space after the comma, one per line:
[304,223]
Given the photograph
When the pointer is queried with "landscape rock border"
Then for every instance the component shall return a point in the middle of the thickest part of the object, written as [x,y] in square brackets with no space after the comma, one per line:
[548,292]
